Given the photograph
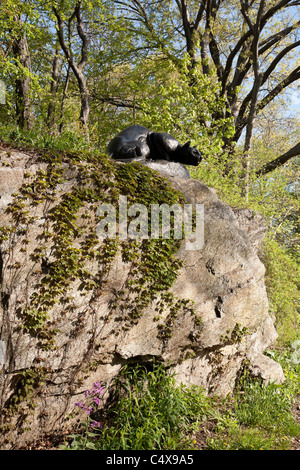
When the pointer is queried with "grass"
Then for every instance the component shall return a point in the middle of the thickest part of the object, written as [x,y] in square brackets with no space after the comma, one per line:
[43,139]
[150,411]
[260,417]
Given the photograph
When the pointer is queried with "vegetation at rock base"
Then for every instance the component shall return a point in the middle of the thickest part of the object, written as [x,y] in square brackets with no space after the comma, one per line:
[224,75]
[148,411]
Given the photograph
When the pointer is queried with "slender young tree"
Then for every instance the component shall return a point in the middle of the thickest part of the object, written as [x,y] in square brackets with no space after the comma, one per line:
[64,97]
[77,67]
[53,87]
[22,82]
[255,28]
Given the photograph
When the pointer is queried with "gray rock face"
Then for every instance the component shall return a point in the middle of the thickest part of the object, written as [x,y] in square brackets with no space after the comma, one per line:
[224,279]
[169,168]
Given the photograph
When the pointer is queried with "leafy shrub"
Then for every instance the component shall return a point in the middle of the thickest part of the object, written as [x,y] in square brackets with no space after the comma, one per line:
[150,412]
[282,282]
[43,138]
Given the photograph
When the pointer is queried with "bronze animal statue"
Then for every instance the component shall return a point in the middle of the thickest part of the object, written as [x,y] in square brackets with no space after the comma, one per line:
[137,143]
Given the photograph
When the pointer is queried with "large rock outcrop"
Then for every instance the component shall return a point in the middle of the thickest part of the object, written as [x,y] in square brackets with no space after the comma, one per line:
[54,350]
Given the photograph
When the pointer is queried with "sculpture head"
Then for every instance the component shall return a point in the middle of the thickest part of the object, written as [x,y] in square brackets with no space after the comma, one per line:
[191,155]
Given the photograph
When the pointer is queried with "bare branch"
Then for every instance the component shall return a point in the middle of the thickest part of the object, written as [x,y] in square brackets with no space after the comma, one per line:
[242,118]
[241,46]
[278,58]
[291,78]
[199,16]
[60,33]
[76,68]
[211,12]
[186,21]
[279,161]
[272,40]
[83,37]
[118,102]
[228,67]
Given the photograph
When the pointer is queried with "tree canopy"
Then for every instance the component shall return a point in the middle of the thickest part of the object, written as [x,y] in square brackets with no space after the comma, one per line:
[207,71]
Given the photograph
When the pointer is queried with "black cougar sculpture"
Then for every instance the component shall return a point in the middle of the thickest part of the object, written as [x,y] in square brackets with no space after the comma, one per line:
[137,143]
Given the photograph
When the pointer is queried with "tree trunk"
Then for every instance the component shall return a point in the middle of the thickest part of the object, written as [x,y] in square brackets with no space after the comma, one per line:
[22,83]
[77,68]
[258,77]
[84,97]
[249,132]
[64,97]
[53,88]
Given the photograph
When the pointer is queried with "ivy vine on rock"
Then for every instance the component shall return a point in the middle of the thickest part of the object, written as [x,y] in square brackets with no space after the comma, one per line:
[67,191]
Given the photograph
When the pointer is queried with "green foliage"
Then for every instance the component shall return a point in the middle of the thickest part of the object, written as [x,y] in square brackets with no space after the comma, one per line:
[259,416]
[18,19]
[259,405]
[171,105]
[276,197]
[235,335]
[289,359]
[150,412]
[283,284]
[42,139]
[248,439]
[27,383]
